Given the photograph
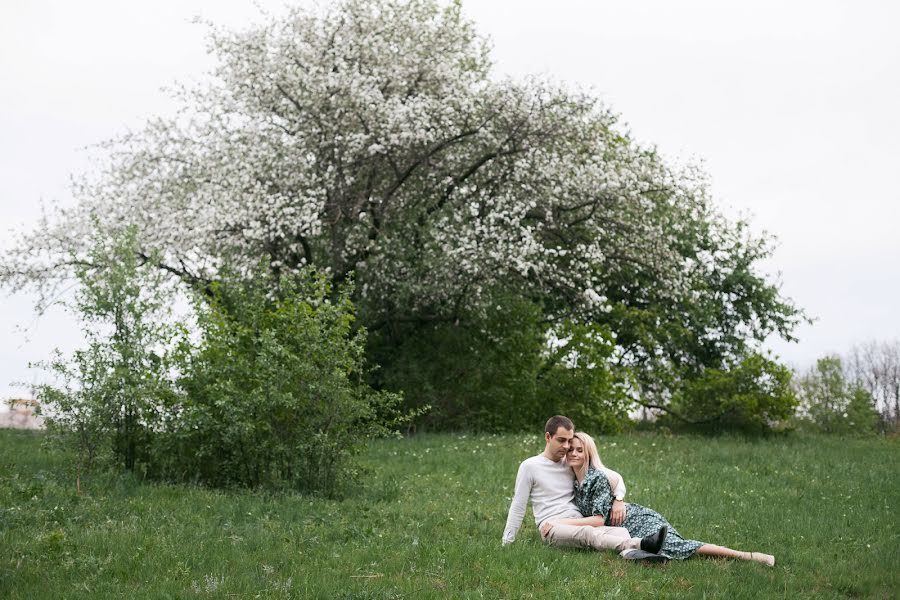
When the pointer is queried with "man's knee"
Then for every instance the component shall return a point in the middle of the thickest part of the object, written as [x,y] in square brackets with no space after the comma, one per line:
[567,536]
[611,538]
[585,536]
[619,532]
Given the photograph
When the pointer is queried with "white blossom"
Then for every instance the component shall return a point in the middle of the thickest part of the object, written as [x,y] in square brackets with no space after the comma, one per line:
[371,136]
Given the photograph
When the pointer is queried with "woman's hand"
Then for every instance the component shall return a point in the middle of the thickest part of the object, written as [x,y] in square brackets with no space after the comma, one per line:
[617,514]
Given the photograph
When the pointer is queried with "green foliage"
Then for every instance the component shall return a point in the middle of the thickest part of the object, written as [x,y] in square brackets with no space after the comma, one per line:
[274,396]
[371,137]
[474,377]
[752,395]
[108,404]
[581,379]
[832,403]
[500,373]
[679,337]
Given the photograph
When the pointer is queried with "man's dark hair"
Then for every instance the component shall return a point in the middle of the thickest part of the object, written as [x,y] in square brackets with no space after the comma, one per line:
[555,422]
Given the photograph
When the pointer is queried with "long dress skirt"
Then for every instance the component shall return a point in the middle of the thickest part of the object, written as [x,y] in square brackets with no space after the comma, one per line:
[594,497]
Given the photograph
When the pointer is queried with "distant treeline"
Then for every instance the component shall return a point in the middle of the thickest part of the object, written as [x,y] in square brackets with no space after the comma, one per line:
[857,392]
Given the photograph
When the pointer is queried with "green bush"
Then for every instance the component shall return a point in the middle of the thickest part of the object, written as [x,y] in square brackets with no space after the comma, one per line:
[477,376]
[275,395]
[272,395]
[753,395]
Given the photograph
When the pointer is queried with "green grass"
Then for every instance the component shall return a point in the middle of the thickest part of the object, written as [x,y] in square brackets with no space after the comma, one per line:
[428,525]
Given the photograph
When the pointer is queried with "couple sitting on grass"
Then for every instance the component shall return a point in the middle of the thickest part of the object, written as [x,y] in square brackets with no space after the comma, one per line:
[577,502]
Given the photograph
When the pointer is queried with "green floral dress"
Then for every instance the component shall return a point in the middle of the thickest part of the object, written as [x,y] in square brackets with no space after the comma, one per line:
[595,497]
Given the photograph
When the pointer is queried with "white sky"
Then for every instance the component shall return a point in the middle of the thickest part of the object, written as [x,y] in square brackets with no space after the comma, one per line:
[792,107]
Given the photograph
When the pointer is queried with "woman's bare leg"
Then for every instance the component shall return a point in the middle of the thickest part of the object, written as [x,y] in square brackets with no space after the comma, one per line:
[713,550]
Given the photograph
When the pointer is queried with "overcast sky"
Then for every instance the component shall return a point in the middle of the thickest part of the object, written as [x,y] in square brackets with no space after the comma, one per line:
[791,106]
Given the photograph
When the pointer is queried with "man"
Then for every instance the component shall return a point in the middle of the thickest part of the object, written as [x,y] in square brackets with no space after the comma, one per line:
[549,482]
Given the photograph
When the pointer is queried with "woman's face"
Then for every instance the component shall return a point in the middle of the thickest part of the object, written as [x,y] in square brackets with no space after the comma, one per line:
[575,456]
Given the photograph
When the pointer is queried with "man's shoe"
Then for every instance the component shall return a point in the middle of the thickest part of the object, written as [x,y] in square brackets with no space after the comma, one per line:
[649,557]
[653,543]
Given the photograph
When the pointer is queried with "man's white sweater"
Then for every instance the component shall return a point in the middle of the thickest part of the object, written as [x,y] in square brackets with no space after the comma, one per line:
[550,485]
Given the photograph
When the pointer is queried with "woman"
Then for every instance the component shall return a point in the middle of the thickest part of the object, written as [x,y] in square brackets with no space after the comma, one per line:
[594,497]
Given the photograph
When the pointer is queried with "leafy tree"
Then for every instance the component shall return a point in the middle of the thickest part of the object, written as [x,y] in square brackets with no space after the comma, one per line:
[834,404]
[580,377]
[481,377]
[369,137]
[108,405]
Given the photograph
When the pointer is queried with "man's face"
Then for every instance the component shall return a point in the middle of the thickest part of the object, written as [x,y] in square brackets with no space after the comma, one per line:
[558,443]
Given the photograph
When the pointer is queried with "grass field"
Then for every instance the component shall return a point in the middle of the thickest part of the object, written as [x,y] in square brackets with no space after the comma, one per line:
[429,522]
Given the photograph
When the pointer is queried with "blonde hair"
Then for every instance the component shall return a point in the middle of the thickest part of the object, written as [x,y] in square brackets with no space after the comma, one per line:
[590,450]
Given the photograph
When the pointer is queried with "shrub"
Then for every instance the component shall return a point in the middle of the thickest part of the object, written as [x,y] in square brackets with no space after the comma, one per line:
[272,395]
[752,395]
[275,395]
[476,375]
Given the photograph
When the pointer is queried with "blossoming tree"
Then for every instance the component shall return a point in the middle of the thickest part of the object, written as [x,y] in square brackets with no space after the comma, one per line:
[371,138]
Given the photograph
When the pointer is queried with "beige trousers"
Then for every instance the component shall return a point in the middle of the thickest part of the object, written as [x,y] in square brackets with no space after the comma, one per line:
[598,538]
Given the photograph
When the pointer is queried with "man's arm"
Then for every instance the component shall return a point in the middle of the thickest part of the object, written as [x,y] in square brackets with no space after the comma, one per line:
[616,483]
[518,504]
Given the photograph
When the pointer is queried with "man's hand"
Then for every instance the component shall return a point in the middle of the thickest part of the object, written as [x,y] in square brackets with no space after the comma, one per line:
[546,527]
[617,514]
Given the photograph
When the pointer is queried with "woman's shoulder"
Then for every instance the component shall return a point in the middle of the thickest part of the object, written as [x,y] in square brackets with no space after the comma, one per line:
[593,474]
